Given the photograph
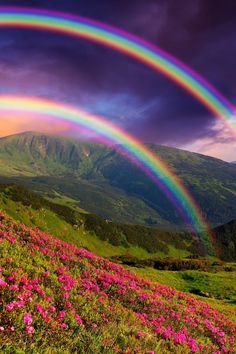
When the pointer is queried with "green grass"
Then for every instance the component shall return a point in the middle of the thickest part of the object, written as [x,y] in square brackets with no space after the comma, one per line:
[48,221]
[108,185]
[58,198]
[75,302]
[221,286]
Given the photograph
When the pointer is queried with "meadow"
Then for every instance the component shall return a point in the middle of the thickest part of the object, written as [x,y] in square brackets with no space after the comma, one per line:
[56,297]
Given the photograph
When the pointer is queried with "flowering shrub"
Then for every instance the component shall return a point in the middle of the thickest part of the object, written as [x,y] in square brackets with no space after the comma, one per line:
[55,295]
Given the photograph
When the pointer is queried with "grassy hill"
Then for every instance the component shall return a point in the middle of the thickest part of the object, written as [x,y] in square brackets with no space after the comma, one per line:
[73,224]
[57,298]
[101,236]
[96,178]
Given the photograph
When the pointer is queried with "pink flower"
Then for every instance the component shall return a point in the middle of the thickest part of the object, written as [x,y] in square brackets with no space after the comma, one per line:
[51,308]
[1,328]
[179,337]
[61,314]
[139,334]
[14,287]
[39,308]
[2,283]
[66,295]
[68,304]
[29,329]
[78,319]
[63,326]
[221,334]
[27,318]
[192,345]
[9,260]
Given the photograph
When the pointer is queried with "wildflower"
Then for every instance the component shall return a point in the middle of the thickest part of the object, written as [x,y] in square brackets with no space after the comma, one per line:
[78,319]
[221,333]
[63,326]
[51,308]
[61,314]
[39,308]
[27,318]
[29,329]
[9,306]
[2,283]
[13,287]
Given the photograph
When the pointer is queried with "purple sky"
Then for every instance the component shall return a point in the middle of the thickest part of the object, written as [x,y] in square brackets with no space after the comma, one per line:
[201,33]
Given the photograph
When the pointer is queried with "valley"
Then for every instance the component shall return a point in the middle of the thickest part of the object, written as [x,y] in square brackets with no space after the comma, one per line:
[75,192]
[82,171]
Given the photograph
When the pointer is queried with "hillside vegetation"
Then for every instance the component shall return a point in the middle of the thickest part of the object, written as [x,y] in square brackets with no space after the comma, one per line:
[30,208]
[105,237]
[58,298]
[96,178]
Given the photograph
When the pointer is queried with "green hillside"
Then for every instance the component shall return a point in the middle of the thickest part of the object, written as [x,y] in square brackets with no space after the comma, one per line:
[168,258]
[91,231]
[106,237]
[58,298]
[103,182]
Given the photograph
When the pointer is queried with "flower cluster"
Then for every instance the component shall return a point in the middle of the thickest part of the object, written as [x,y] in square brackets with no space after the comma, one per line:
[48,287]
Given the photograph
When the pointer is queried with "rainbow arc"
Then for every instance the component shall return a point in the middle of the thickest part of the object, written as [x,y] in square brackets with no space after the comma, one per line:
[133,149]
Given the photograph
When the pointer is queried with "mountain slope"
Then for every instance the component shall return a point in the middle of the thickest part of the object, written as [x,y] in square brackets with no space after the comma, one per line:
[58,298]
[105,183]
[226,236]
[91,231]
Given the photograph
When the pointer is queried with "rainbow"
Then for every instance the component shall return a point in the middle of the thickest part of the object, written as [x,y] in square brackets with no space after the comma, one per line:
[132,148]
[126,43]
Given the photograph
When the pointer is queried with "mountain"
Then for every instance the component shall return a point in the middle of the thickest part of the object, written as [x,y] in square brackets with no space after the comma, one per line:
[233,162]
[105,183]
[56,297]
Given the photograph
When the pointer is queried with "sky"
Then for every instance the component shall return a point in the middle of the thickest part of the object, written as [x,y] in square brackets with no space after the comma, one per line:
[201,33]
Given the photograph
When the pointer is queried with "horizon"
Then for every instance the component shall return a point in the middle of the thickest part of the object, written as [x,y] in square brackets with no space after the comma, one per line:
[94,141]
[132,96]
[117,176]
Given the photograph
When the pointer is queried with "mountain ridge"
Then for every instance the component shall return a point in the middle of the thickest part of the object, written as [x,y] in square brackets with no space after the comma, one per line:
[85,170]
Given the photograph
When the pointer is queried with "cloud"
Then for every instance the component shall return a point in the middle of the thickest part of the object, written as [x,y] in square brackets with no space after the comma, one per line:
[221,143]
[127,92]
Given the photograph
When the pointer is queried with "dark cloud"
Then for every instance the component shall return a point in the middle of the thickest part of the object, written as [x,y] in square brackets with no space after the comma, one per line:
[201,32]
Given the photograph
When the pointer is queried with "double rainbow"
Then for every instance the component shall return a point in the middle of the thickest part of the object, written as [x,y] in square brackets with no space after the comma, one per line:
[126,43]
[143,52]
